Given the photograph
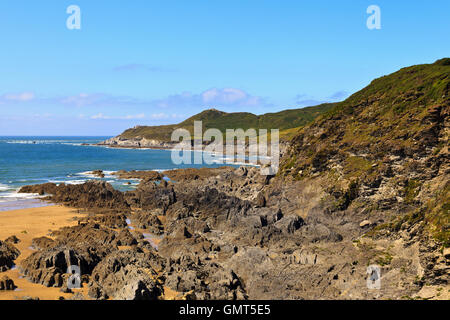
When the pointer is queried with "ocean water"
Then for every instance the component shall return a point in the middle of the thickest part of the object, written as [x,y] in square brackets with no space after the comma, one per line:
[35,160]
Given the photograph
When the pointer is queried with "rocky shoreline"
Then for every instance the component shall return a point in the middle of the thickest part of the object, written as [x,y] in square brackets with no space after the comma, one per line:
[224,233]
[142,143]
[136,143]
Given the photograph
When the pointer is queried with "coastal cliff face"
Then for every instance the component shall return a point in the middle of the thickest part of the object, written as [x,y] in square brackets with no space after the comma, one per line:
[367,183]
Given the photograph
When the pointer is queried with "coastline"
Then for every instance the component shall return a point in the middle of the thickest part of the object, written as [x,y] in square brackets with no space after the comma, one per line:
[27,224]
[260,160]
[152,235]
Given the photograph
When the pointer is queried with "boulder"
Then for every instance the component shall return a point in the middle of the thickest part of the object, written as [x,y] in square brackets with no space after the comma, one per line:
[289,224]
[91,194]
[12,240]
[42,243]
[6,283]
[260,200]
[126,275]
[8,253]
[125,238]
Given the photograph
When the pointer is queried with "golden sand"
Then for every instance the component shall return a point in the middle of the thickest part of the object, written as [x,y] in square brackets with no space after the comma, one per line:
[27,224]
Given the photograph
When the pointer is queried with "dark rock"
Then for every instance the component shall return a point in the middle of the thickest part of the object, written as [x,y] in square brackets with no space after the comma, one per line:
[8,253]
[126,275]
[260,200]
[289,224]
[92,194]
[143,175]
[125,238]
[41,189]
[12,240]
[98,173]
[42,243]
[6,283]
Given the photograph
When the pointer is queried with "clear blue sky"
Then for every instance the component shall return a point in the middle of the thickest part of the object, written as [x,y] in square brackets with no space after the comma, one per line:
[155,62]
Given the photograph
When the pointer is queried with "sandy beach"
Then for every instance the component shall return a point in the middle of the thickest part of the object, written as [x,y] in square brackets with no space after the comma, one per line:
[27,224]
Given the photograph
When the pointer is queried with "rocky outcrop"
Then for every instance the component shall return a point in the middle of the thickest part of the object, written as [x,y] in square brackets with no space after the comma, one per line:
[149,221]
[6,283]
[84,246]
[141,175]
[42,243]
[125,238]
[49,266]
[126,275]
[8,253]
[149,196]
[92,194]
[41,189]
[110,218]
[98,173]
[12,239]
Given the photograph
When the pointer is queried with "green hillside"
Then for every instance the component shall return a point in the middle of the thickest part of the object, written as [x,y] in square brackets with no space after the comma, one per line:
[285,121]
[393,133]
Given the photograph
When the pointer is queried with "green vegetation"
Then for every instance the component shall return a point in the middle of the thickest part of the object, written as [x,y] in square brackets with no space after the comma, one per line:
[384,259]
[435,216]
[438,216]
[379,133]
[391,116]
[288,122]
[412,190]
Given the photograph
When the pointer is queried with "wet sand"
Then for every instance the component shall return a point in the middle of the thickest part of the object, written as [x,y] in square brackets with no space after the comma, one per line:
[27,224]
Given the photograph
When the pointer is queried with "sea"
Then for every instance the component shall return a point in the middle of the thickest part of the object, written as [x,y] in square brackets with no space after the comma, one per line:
[36,160]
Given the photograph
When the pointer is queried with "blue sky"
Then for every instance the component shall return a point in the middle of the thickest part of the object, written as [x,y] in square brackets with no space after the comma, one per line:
[157,62]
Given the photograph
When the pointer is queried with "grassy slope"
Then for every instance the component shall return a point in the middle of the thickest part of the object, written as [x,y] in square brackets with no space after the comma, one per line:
[285,121]
[387,117]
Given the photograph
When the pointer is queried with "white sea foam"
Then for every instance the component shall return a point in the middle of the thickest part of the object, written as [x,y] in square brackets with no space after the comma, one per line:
[4,187]
[35,141]
[130,184]
[16,196]
[89,174]
[68,181]
[86,174]
[162,170]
